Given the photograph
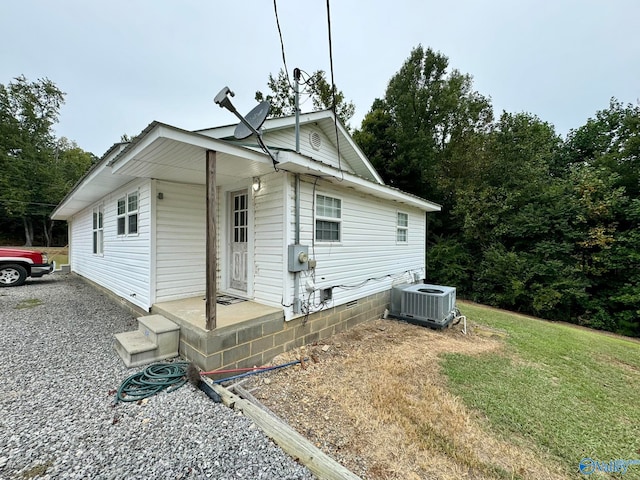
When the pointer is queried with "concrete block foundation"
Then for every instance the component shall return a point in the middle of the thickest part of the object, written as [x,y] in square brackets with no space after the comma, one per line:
[256,342]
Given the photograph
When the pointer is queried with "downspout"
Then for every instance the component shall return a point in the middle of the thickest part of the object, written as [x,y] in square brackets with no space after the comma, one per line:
[426,249]
[296,275]
[296,89]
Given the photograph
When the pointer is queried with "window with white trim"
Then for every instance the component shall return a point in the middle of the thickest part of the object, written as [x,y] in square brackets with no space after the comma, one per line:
[98,230]
[328,218]
[402,227]
[127,214]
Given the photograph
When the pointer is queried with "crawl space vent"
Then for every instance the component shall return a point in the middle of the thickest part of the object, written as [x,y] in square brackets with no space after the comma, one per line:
[315,140]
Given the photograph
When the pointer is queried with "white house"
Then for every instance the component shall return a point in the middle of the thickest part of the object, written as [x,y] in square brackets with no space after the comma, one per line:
[317,231]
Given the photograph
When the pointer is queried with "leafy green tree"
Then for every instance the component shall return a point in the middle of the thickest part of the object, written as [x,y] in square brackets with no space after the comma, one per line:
[500,201]
[605,158]
[68,164]
[27,112]
[37,170]
[315,87]
[517,220]
[610,140]
[414,135]
[530,222]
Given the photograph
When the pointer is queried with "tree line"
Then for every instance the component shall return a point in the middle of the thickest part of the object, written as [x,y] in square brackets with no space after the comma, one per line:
[36,168]
[530,221]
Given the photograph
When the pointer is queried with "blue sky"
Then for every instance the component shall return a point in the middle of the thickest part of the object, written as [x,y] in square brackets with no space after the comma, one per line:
[124,64]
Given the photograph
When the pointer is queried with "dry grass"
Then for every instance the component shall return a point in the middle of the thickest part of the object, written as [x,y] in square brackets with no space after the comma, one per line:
[378,403]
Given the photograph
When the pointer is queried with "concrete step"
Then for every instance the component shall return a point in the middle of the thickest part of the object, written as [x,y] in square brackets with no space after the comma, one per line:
[134,348]
[161,331]
[157,338]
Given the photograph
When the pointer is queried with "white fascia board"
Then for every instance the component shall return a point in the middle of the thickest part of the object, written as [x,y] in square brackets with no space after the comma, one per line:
[362,156]
[57,212]
[275,123]
[71,197]
[190,138]
[225,131]
[299,164]
[324,115]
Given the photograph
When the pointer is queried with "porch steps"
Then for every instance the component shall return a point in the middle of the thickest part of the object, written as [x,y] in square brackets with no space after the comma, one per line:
[157,338]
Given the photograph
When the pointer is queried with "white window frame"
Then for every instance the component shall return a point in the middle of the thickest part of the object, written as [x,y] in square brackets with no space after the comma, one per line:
[337,220]
[97,230]
[402,228]
[127,213]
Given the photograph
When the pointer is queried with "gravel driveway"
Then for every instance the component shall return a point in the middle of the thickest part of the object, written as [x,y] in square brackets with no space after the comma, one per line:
[58,370]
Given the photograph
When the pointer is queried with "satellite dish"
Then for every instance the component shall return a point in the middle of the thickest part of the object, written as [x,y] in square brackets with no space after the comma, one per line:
[255,118]
[249,125]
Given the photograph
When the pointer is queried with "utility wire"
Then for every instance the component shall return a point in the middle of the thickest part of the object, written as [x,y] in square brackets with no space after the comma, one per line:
[333,91]
[284,59]
[6,201]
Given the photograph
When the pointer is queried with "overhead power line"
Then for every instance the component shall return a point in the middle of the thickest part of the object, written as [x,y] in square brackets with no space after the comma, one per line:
[333,90]
[284,59]
[21,202]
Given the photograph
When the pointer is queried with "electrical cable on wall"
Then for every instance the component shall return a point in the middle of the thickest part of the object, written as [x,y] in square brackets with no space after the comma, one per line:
[308,306]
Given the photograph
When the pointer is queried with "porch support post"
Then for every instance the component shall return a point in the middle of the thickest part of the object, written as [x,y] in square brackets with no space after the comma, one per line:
[211,255]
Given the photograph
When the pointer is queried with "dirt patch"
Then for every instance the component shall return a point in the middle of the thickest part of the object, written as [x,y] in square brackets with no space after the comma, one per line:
[28,303]
[620,363]
[377,402]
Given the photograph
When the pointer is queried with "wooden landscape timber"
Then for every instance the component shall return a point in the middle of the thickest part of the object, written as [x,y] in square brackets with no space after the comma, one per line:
[298,447]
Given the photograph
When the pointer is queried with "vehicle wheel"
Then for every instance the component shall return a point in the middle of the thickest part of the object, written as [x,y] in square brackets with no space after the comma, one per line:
[12,275]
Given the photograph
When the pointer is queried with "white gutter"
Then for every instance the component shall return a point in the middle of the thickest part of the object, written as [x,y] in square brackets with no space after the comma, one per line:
[304,165]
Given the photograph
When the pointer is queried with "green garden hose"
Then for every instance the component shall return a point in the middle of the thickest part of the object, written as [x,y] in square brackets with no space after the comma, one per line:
[152,380]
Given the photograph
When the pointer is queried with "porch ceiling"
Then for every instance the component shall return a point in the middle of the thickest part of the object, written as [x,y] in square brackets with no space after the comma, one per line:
[175,160]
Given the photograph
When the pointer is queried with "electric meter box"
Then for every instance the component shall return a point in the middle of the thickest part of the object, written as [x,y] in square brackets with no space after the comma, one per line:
[298,258]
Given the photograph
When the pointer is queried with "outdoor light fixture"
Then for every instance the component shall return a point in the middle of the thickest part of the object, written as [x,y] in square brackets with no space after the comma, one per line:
[256,184]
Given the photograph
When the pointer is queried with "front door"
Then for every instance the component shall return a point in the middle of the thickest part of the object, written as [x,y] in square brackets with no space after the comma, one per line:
[239,220]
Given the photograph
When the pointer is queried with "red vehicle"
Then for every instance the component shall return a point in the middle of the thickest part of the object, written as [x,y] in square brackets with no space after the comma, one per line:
[17,264]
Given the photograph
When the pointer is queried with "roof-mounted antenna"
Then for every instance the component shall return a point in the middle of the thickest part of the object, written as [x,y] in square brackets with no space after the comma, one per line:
[249,125]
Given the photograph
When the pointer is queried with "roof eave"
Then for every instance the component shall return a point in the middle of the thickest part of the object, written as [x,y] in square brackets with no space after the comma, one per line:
[95,169]
[296,163]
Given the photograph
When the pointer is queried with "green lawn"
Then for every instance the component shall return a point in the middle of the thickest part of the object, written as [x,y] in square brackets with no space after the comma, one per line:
[569,392]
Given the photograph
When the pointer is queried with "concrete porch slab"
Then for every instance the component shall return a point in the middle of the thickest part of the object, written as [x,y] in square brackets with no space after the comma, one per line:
[248,334]
[239,336]
[192,311]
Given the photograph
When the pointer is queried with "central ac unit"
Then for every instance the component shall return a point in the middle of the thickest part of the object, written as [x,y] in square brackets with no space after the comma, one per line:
[424,304]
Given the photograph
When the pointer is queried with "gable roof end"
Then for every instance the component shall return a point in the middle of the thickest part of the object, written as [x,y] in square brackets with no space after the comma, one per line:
[328,124]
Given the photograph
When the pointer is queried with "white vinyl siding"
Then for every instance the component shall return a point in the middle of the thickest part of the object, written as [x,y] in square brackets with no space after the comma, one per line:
[368,256]
[327,153]
[269,240]
[125,264]
[180,241]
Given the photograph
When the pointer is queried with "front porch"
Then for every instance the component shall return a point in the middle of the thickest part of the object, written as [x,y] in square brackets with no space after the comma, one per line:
[250,334]
[243,337]
[191,311]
